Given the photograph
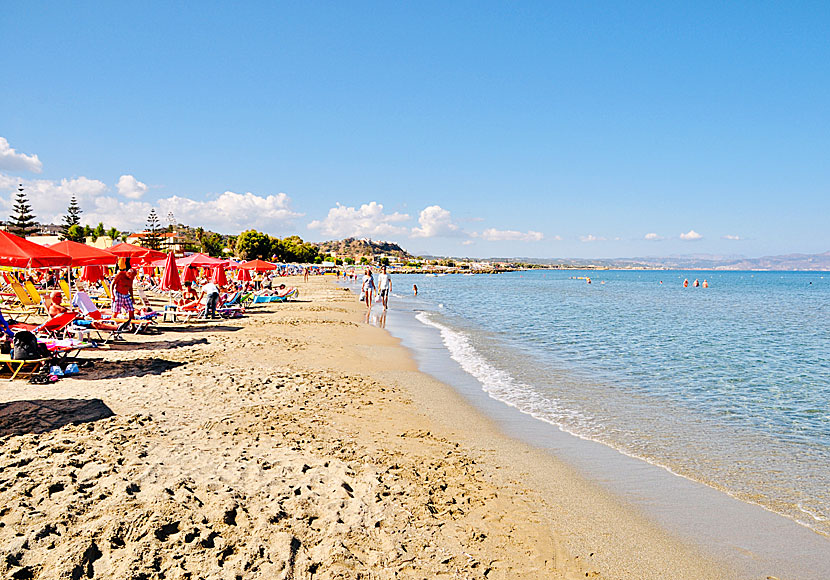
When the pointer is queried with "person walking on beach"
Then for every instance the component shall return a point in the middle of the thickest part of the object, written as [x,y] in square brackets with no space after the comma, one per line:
[367,289]
[385,287]
[122,291]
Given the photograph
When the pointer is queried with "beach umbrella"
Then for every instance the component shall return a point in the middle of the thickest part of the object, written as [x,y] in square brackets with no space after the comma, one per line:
[135,253]
[92,274]
[189,274]
[243,275]
[170,277]
[258,266]
[19,253]
[83,255]
[219,278]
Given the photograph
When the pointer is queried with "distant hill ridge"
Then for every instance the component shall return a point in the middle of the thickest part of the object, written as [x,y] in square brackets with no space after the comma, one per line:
[355,247]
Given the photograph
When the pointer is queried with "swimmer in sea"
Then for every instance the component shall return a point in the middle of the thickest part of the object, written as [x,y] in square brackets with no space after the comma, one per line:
[697,283]
[415,289]
[686,283]
[705,283]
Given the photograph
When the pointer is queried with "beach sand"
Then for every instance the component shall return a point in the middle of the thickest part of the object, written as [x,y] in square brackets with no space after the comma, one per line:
[298,442]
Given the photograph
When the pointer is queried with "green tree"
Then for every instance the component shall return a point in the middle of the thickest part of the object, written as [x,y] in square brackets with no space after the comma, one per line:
[212,244]
[97,232]
[22,223]
[113,234]
[76,233]
[252,244]
[72,218]
[349,260]
[384,261]
[152,240]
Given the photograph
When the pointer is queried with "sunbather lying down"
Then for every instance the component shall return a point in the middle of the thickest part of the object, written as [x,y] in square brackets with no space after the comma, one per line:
[282,291]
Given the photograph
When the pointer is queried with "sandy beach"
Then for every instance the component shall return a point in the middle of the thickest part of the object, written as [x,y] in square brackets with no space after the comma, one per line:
[298,442]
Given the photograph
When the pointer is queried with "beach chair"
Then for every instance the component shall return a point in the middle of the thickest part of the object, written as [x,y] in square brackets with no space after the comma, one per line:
[25,299]
[33,292]
[67,291]
[52,328]
[22,368]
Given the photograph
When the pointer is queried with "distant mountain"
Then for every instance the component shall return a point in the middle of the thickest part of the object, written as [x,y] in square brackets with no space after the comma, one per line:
[354,247]
[809,262]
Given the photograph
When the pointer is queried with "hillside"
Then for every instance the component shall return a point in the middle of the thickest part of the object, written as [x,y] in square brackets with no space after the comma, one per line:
[362,247]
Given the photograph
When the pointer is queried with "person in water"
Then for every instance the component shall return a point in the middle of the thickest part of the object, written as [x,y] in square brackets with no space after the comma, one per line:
[415,289]
[705,283]
[686,283]
[697,282]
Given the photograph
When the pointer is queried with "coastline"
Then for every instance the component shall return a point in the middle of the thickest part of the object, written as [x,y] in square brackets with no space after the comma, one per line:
[297,443]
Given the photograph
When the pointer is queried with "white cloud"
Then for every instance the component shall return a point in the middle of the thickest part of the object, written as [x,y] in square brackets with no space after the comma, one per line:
[691,235]
[591,238]
[228,213]
[232,212]
[435,221]
[14,161]
[731,237]
[467,243]
[129,186]
[653,237]
[367,221]
[494,235]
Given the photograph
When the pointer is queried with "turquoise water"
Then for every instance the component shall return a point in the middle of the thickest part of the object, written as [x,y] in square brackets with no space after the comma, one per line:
[727,385]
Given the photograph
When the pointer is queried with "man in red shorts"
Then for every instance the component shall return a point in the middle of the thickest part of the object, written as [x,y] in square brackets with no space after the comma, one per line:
[122,291]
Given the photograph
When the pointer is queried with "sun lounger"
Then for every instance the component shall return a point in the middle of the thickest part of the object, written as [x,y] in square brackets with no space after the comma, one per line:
[67,292]
[23,368]
[25,299]
[53,327]
[33,292]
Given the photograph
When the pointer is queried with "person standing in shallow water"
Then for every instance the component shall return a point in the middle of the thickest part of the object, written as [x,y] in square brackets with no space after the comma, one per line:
[368,288]
[384,287]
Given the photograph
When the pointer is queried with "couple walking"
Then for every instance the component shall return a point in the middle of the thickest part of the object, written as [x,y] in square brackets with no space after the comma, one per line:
[384,286]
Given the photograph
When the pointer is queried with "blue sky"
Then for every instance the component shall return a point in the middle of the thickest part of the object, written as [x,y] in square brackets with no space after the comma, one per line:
[532,129]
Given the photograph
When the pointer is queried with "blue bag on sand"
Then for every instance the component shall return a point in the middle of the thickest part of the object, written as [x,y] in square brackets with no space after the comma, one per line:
[71,369]
[56,370]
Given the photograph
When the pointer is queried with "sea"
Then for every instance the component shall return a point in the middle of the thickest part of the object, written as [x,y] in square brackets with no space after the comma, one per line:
[728,385]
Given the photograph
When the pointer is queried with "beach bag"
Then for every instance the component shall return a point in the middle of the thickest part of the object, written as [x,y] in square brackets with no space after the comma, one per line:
[26,347]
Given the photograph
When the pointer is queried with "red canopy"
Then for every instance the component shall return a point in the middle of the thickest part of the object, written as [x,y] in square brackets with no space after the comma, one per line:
[189,274]
[19,253]
[136,253]
[92,274]
[170,278]
[258,266]
[83,255]
[243,275]
[219,278]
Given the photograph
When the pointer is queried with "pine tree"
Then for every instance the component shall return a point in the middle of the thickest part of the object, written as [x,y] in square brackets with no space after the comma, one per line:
[22,223]
[72,218]
[152,240]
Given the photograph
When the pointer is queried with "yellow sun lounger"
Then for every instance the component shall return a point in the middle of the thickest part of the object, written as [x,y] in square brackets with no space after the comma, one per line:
[24,368]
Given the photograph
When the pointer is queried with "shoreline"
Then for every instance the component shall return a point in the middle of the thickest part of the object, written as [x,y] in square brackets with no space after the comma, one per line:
[296,443]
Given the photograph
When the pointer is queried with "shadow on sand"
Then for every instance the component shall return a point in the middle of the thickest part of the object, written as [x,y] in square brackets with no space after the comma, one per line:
[39,416]
[105,369]
[158,344]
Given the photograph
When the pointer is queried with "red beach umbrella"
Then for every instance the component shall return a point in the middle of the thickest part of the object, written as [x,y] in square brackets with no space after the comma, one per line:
[92,274]
[258,266]
[243,275]
[170,278]
[189,274]
[136,253]
[83,255]
[19,253]
[219,277]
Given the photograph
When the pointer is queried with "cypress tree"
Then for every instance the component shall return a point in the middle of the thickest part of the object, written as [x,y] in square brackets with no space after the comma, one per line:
[22,223]
[72,218]
[152,240]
